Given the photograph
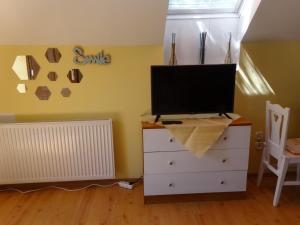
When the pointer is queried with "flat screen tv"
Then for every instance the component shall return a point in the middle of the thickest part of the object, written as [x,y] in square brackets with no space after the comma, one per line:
[192,89]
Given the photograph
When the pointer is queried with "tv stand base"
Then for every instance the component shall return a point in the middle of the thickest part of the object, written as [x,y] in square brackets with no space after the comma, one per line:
[225,114]
[156,118]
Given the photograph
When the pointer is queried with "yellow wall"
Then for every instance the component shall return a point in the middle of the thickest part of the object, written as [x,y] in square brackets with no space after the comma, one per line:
[120,91]
[279,64]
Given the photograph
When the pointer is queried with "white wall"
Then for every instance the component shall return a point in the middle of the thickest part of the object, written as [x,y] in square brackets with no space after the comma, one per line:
[188,29]
[188,41]
[247,13]
[82,22]
[275,20]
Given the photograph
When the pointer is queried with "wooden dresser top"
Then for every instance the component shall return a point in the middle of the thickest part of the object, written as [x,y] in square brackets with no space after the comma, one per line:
[238,122]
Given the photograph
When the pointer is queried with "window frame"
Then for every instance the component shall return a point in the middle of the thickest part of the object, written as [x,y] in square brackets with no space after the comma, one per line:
[214,11]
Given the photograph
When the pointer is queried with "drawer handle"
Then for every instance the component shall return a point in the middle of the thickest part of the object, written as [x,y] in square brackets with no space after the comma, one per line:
[171,185]
[224,160]
[171,163]
[225,138]
[171,140]
[222,182]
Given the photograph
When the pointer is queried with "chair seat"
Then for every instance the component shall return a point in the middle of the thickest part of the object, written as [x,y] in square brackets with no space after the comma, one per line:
[293,146]
[289,154]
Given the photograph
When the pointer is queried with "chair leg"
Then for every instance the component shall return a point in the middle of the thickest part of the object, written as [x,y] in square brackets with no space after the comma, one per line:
[280,181]
[261,169]
[298,172]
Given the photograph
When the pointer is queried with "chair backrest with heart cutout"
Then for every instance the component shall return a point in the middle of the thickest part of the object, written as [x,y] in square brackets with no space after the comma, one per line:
[277,120]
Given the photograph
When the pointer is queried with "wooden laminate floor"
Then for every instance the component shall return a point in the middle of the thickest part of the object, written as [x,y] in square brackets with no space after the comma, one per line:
[117,206]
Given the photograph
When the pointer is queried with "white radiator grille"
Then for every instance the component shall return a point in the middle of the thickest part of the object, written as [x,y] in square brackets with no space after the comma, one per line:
[56,151]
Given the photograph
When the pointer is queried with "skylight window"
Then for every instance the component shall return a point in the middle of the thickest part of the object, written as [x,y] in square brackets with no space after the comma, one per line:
[204,6]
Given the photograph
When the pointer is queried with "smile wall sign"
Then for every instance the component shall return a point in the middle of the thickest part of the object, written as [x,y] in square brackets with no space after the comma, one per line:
[81,59]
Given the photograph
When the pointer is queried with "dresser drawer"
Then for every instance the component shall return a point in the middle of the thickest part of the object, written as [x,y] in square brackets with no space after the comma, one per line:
[160,138]
[203,182]
[185,161]
[234,137]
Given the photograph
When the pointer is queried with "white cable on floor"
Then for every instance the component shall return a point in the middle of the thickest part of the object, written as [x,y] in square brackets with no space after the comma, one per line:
[60,188]
[66,189]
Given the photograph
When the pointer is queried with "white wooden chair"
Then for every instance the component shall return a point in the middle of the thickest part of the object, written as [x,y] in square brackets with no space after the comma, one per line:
[277,120]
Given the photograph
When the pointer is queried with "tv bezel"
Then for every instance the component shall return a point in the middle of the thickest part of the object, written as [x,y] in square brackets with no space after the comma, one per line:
[198,112]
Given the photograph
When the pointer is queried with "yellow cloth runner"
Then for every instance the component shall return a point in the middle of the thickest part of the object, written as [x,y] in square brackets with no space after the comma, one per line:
[198,135]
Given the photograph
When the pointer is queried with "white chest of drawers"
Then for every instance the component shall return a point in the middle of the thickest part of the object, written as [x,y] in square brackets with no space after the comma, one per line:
[169,169]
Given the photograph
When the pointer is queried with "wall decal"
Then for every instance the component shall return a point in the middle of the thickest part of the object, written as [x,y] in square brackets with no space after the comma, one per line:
[52,76]
[65,92]
[26,67]
[53,55]
[74,75]
[82,59]
[22,88]
[43,92]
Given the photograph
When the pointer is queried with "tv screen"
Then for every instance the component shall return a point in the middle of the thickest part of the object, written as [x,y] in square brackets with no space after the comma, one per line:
[192,89]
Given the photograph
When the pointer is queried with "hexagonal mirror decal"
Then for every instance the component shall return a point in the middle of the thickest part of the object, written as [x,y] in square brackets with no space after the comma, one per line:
[21,88]
[65,92]
[75,76]
[43,93]
[26,67]
[53,55]
[52,76]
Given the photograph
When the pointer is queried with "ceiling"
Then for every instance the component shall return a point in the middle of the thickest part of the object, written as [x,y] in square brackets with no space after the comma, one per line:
[104,22]
[275,20]
[122,22]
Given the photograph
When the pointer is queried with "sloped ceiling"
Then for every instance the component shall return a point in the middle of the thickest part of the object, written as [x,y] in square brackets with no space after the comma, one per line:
[104,22]
[275,20]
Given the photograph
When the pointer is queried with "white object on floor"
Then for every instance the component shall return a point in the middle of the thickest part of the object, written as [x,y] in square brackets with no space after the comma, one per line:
[125,184]
[59,188]
[277,119]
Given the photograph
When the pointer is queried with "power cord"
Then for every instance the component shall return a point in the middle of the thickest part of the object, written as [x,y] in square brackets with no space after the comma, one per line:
[60,188]
[132,183]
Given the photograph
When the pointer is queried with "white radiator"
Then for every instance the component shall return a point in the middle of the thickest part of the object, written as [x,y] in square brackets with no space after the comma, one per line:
[56,151]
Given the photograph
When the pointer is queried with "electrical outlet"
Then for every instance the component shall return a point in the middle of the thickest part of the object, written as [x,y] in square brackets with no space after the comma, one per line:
[259,145]
[259,140]
[259,136]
